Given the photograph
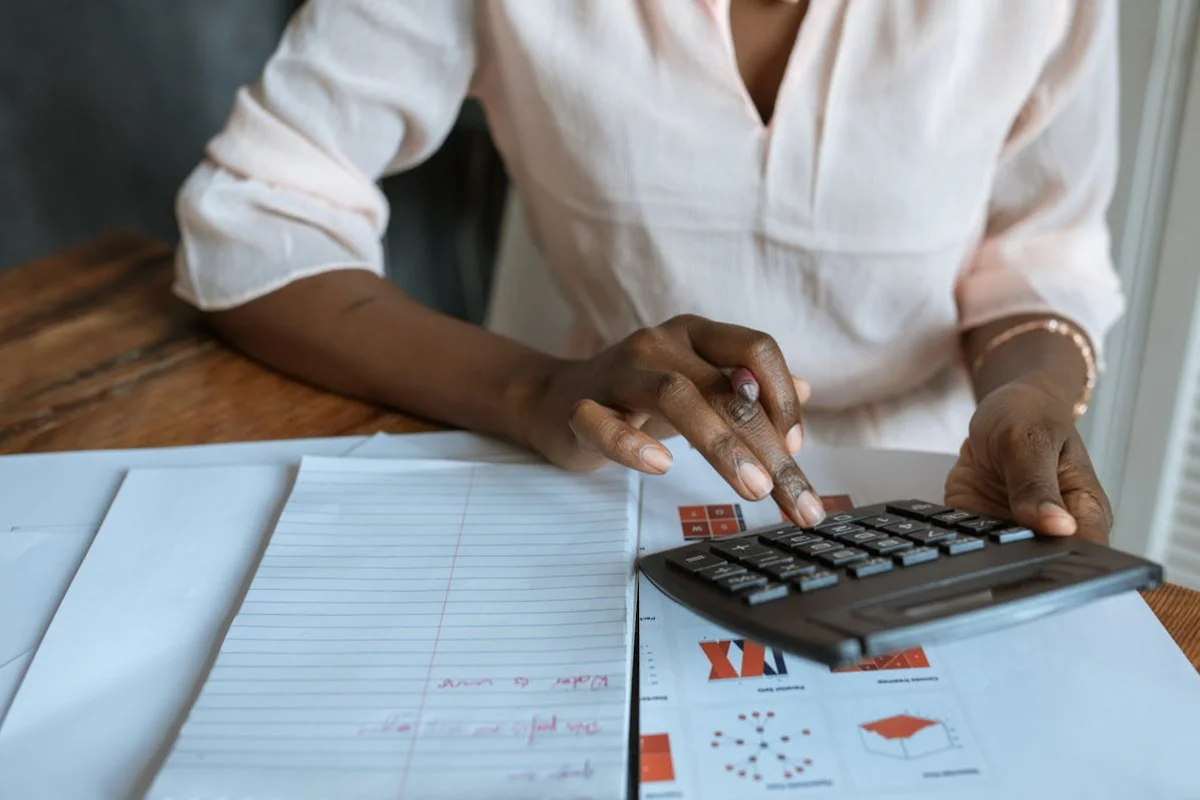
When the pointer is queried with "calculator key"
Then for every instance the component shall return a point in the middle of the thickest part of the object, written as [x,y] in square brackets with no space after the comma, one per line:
[817,580]
[917,555]
[953,517]
[888,545]
[862,537]
[789,570]
[880,520]
[872,566]
[842,556]
[740,549]
[931,536]
[961,544]
[720,572]
[840,530]
[907,528]
[816,548]
[774,557]
[917,509]
[694,560]
[778,532]
[841,517]
[980,525]
[765,594]
[741,583]
[796,540]
[1014,533]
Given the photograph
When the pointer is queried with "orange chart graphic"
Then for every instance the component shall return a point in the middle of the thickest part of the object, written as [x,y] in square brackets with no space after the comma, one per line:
[742,658]
[905,659]
[906,736]
[655,758]
[705,522]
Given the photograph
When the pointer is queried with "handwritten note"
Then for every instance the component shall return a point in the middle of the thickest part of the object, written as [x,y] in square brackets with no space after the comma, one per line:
[425,631]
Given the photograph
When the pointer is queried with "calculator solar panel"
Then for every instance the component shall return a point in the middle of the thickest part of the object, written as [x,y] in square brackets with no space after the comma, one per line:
[887,577]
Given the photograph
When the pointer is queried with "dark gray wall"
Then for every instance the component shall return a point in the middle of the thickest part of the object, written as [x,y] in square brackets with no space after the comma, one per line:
[105,107]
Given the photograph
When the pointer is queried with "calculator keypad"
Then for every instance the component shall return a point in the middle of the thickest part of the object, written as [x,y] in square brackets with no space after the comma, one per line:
[769,566]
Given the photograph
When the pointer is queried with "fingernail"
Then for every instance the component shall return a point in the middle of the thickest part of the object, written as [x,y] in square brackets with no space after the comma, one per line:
[754,479]
[795,440]
[810,508]
[1059,519]
[655,457]
[803,390]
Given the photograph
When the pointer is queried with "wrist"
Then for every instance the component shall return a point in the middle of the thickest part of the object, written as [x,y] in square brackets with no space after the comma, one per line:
[1054,390]
[524,395]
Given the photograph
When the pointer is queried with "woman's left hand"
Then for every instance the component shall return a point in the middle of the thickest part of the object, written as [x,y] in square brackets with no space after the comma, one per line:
[1024,460]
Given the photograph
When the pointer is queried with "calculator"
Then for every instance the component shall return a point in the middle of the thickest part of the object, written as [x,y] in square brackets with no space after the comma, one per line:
[883,578]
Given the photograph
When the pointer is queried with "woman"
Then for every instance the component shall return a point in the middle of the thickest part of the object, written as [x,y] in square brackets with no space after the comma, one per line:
[901,201]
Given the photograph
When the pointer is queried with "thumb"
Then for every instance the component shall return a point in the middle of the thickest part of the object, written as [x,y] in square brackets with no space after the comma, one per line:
[1031,479]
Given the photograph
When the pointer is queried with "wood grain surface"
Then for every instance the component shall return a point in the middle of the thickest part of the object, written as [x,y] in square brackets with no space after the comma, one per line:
[96,353]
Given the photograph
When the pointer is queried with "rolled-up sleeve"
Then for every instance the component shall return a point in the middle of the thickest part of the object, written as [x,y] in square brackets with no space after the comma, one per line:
[357,89]
[1046,247]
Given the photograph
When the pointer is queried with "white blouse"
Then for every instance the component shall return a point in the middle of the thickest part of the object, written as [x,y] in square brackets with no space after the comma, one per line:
[931,165]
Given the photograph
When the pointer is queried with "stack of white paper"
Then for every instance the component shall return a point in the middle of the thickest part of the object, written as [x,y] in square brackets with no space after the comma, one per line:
[416,631]
[1097,702]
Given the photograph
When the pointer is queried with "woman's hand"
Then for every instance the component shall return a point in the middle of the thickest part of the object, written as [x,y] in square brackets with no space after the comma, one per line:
[1024,460]
[673,379]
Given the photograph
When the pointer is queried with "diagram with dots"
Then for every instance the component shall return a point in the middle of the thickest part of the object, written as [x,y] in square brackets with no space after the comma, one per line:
[758,748]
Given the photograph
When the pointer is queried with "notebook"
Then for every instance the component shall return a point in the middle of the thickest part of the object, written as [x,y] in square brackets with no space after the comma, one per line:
[425,630]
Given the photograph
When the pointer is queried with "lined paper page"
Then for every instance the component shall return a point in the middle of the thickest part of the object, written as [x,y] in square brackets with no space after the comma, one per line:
[425,630]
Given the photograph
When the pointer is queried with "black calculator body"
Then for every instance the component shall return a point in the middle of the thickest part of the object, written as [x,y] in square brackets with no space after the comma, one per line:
[884,578]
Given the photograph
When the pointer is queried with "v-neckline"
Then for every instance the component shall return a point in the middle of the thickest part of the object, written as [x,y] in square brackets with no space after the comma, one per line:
[801,51]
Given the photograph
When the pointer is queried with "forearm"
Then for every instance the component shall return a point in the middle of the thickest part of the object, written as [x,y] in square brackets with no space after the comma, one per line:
[1051,360]
[354,333]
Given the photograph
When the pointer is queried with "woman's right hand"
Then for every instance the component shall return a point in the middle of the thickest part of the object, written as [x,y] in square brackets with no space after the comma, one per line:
[672,379]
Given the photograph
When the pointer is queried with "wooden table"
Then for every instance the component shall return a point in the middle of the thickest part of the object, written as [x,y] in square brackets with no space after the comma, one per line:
[96,353]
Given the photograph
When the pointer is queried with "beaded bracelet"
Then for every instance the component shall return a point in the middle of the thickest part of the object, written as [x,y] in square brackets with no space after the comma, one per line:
[1062,328]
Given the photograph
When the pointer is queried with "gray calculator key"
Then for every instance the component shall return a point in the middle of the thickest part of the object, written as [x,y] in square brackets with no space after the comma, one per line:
[931,536]
[817,580]
[695,560]
[980,525]
[741,583]
[774,557]
[880,520]
[862,537]
[961,544]
[816,548]
[765,594]
[840,530]
[917,555]
[888,545]
[796,541]
[789,570]
[953,517]
[917,509]
[907,528]
[720,572]
[740,549]
[783,531]
[841,517]
[841,556]
[1012,534]
[872,566]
